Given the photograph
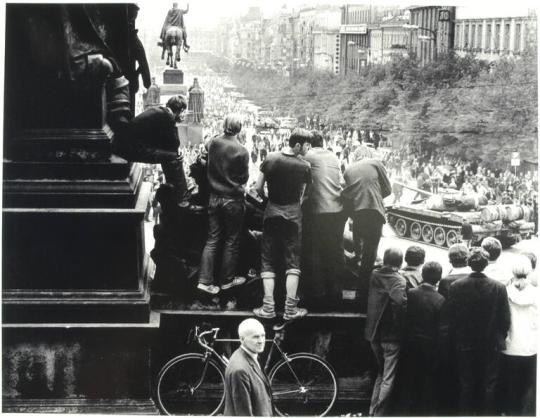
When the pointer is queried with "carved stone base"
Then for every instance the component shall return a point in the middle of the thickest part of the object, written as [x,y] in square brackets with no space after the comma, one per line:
[173,77]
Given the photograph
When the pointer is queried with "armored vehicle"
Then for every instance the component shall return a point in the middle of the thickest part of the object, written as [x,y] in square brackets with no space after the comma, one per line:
[443,220]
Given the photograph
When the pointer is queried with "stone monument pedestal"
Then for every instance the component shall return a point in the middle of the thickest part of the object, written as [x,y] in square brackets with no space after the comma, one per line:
[77,328]
[171,76]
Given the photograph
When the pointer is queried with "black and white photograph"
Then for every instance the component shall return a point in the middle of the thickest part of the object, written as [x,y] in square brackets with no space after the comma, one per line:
[270,208]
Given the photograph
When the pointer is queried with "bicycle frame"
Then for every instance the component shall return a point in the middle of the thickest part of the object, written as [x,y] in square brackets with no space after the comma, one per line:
[224,361]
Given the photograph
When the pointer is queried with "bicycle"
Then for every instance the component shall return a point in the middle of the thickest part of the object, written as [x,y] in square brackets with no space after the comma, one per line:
[193,383]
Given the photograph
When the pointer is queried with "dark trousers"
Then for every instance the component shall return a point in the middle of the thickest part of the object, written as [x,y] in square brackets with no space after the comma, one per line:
[419,379]
[518,385]
[367,231]
[478,372]
[225,219]
[323,252]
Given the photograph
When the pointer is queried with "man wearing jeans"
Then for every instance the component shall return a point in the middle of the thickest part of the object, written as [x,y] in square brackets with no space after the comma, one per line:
[228,172]
[286,176]
[387,306]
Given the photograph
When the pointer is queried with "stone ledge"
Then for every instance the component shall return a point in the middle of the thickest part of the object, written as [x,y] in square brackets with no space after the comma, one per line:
[80,406]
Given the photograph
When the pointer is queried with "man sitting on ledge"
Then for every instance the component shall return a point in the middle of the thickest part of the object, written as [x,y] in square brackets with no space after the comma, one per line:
[152,137]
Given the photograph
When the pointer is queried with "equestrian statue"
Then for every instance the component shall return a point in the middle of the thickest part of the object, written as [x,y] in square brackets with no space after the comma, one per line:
[173,33]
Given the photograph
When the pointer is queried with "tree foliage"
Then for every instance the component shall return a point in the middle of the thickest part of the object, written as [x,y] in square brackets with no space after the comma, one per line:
[460,105]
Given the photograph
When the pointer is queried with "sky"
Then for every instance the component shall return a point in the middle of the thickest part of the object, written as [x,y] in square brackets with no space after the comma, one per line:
[207,13]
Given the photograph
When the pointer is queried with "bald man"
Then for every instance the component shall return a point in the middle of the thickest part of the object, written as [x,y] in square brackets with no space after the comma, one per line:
[247,389]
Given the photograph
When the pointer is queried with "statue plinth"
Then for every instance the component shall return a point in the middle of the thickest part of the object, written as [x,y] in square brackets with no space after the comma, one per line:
[76,304]
[173,77]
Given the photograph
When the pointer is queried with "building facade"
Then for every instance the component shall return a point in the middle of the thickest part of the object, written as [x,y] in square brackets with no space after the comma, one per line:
[431,31]
[388,40]
[491,38]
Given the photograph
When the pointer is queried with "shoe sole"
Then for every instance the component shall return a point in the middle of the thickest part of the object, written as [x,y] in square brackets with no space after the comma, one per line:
[231,285]
[207,292]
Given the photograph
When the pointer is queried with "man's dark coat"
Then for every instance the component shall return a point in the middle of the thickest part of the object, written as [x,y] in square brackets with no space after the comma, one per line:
[247,389]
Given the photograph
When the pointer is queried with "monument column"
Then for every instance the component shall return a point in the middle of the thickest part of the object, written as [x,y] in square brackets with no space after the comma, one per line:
[77,326]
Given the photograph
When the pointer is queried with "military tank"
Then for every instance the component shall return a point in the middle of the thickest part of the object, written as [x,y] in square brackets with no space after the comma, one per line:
[450,217]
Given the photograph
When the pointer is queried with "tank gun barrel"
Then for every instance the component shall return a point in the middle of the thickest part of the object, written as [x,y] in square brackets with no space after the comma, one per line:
[414,188]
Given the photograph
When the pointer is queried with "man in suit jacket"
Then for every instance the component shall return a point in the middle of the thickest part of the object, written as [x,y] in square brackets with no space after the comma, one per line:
[421,351]
[387,304]
[458,255]
[247,389]
[478,322]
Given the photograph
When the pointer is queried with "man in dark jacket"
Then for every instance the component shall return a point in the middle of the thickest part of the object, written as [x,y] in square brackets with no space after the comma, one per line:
[458,255]
[478,322]
[152,137]
[247,389]
[228,172]
[421,353]
[387,306]
[366,185]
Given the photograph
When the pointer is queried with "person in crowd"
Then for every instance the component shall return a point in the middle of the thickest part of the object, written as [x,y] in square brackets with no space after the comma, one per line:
[227,172]
[247,389]
[478,319]
[458,254]
[412,272]
[495,270]
[422,344]
[324,222]
[152,137]
[533,276]
[387,307]
[366,185]
[518,365]
[286,176]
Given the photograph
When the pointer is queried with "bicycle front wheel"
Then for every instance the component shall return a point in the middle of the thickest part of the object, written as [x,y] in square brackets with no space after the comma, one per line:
[190,384]
[303,384]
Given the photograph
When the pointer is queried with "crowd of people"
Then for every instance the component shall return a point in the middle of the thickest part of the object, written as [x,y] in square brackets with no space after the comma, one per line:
[463,344]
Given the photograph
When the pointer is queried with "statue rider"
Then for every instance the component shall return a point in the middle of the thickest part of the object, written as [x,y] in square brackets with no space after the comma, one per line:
[175,17]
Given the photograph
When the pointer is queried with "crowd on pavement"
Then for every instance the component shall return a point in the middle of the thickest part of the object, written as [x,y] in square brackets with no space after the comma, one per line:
[463,344]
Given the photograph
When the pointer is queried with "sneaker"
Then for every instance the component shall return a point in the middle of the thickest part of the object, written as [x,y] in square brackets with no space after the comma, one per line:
[261,313]
[237,281]
[297,313]
[208,288]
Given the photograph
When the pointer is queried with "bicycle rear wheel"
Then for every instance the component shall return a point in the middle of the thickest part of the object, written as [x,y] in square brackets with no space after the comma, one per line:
[303,384]
[190,385]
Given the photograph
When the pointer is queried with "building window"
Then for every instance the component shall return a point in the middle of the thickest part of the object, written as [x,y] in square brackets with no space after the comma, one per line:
[457,37]
[506,37]
[473,36]
[479,37]
[466,37]
[488,37]
[497,43]
[517,38]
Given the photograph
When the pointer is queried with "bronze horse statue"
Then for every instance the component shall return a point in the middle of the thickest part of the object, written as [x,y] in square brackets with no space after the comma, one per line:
[174,36]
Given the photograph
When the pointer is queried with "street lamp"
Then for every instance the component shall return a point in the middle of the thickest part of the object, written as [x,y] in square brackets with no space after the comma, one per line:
[424,37]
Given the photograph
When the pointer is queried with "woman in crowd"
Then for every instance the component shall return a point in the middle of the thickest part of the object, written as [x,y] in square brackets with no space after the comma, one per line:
[518,372]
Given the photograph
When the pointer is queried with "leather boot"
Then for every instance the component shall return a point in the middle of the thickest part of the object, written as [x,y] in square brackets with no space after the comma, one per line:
[292,311]
[174,175]
[268,310]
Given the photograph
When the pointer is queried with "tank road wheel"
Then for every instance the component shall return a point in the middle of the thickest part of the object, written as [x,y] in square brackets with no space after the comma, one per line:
[401,227]
[427,233]
[451,237]
[416,231]
[439,236]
